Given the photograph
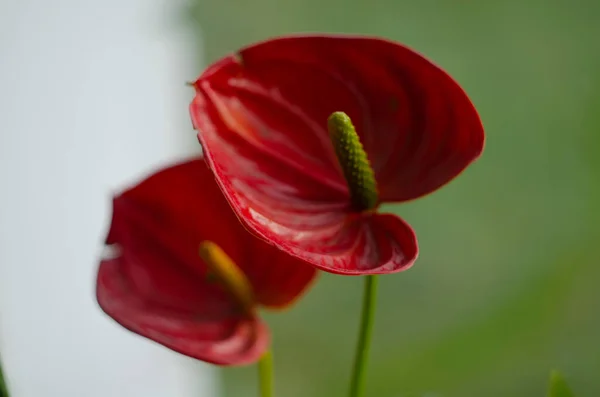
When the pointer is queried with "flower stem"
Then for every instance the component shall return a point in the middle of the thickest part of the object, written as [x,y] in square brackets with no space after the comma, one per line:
[357,385]
[265,374]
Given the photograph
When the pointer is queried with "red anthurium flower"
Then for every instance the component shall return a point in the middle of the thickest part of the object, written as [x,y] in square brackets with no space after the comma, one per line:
[157,285]
[262,119]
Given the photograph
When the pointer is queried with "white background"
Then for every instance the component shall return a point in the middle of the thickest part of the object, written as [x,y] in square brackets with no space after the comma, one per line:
[92,96]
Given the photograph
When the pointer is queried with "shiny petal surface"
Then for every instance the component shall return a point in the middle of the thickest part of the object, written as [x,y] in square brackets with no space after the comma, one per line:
[185,203]
[222,338]
[156,284]
[272,101]
[261,117]
[362,244]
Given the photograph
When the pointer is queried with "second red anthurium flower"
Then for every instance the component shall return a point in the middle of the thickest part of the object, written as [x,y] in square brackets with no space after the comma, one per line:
[307,135]
[186,274]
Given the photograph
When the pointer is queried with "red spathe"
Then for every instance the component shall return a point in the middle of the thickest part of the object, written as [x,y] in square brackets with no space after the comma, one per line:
[156,285]
[261,117]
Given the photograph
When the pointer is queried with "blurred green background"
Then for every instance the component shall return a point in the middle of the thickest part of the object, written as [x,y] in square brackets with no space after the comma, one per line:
[506,287]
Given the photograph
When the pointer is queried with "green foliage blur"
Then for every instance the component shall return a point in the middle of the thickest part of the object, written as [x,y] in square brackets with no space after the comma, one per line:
[3,390]
[506,287]
[558,386]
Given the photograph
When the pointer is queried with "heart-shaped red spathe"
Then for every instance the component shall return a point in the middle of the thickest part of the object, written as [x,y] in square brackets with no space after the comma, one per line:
[261,116]
[157,286]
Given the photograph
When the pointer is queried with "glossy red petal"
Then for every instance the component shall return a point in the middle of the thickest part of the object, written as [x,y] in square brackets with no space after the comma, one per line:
[185,202]
[366,244]
[359,245]
[157,285]
[418,126]
[261,117]
[219,338]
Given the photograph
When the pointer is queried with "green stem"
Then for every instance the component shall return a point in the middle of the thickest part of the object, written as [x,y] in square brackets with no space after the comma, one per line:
[3,388]
[265,374]
[357,385]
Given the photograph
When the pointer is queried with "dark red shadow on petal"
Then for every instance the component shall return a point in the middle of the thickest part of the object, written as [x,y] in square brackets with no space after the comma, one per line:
[446,135]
